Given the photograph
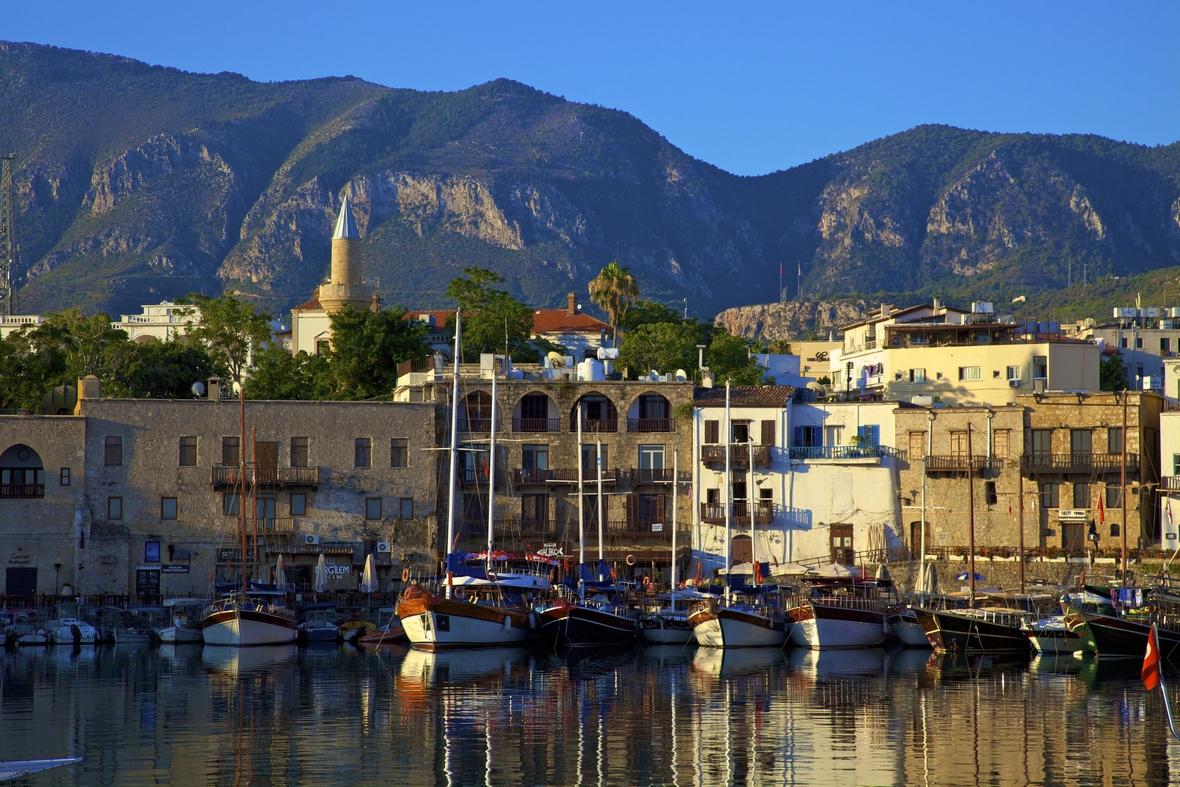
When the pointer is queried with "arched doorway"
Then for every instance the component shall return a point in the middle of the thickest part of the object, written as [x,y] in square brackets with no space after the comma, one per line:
[22,475]
[650,413]
[741,550]
[476,412]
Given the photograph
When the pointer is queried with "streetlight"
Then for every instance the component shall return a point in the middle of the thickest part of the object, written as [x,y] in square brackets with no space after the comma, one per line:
[56,573]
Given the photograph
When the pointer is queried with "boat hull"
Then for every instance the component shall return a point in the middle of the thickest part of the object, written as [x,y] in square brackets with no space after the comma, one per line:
[246,628]
[909,633]
[820,626]
[435,624]
[955,633]
[664,630]
[71,632]
[179,635]
[732,628]
[1122,638]
[579,627]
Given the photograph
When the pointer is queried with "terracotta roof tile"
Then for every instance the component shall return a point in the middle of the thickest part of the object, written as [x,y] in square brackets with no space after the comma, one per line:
[314,303]
[544,320]
[775,396]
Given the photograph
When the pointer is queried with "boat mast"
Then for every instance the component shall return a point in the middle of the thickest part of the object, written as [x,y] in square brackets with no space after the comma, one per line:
[1123,487]
[254,495]
[750,503]
[581,513]
[492,472]
[675,500]
[242,480]
[929,447]
[451,489]
[728,493]
[970,517]
[1020,540]
[598,464]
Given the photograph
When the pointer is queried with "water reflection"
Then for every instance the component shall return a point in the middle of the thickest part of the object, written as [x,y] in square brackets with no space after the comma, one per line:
[286,716]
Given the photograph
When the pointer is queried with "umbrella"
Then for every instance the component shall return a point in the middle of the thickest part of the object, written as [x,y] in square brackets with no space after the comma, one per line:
[882,572]
[963,576]
[789,569]
[280,573]
[931,584]
[369,578]
[321,575]
[838,570]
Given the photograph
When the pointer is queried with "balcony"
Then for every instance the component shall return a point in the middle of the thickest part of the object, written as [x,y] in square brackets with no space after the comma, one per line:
[22,491]
[836,453]
[477,425]
[282,525]
[559,475]
[652,476]
[227,475]
[595,425]
[472,476]
[651,424]
[764,512]
[1079,463]
[1168,483]
[640,531]
[536,424]
[739,454]
[958,464]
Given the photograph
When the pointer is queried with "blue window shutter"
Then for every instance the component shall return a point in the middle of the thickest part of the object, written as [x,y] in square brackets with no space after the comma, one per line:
[875,434]
[798,435]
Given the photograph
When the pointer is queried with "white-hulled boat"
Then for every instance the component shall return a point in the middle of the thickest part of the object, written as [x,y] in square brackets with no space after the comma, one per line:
[66,628]
[256,617]
[745,623]
[843,612]
[184,626]
[668,624]
[905,628]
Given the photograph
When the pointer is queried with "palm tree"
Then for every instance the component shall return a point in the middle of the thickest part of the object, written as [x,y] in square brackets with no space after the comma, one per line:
[612,290]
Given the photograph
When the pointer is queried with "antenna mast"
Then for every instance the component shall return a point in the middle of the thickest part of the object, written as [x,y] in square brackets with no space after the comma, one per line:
[7,244]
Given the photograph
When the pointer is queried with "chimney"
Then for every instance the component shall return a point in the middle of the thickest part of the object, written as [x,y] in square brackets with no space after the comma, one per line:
[937,304]
[214,389]
[886,310]
[90,387]
[572,304]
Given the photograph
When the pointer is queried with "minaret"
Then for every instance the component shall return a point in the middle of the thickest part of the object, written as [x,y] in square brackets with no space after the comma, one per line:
[345,288]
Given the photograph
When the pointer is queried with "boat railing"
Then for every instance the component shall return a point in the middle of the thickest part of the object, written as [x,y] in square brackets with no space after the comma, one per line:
[850,602]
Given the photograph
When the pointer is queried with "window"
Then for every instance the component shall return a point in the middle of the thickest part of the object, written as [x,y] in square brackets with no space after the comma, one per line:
[989,490]
[406,508]
[188,452]
[1080,441]
[534,407]
[168,508]
[1001,443]
[651,457]
[917,445]
[1138,342]
[1081,495]
[1165,346]
[1049,495]
[1175,464]
[364,452]
[399,452]
[151,551]
[535,457]
[64,478]
[1123,342]
[1013,372]
[970,373]
[589,454]
[768,432]
[807,436]
[231,451]
[712,431]
[712,497]
[229,504]
[114,508]
[372,508]
[298,504]
[299,452]
[959,444]
[869,434]
[321,347]
[833,435]
[534,509]
[651,509]
[113,451]
[917,375]
[1042,442]
[1114,497]
[1114,440]
[739,432]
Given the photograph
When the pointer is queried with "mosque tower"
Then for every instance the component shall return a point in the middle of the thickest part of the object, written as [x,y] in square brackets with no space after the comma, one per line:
[345,286]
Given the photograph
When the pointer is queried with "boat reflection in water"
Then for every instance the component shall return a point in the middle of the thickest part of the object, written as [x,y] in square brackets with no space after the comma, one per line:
[231,660]
[839,663]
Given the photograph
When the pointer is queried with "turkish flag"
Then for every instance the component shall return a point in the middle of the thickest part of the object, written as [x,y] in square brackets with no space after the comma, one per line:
[1101,512]
[1151,662]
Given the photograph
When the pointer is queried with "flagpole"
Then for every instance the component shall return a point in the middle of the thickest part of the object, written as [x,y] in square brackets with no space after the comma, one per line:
[1152,673]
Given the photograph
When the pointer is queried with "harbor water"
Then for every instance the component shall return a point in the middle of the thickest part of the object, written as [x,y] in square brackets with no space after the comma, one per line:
[187,715]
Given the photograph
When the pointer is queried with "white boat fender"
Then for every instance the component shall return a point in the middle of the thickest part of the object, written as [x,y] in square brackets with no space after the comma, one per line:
[532,620]
[507,623]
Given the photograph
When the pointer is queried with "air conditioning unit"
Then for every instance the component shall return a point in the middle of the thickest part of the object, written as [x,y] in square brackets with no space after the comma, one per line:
[1014,383]
[383,547]
[311,541]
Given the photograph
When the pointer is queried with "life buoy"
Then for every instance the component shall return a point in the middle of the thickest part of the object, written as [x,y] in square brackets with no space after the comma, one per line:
[492,576]
[569,563]
[630,560]
[612,573]
[758,573]
[405,575]
[552,574]
[647,582]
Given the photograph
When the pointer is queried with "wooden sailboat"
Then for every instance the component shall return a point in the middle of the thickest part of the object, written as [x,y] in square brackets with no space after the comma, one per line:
[667,625]
[255,614]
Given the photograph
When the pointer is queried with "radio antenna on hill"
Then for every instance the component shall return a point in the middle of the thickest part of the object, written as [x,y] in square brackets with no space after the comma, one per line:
[7,243]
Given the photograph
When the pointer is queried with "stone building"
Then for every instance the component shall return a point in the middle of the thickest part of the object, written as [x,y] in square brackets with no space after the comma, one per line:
[142,497]
[640,425]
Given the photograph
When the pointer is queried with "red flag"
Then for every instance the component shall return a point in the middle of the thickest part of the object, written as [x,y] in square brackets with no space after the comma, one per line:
[1009,508]
[1151,662]
[1101,512]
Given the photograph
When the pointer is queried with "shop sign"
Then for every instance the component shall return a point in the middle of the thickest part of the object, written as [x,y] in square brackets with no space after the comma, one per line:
[551,549]
[174,569]
[19,559]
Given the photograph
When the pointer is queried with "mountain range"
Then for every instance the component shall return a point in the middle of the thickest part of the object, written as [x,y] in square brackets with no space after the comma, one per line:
[134,183]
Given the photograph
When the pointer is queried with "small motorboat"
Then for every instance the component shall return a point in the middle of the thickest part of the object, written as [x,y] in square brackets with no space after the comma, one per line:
[1052,635]
[318,625]
[384,635]
[184,627]
[27,629]
[67,628]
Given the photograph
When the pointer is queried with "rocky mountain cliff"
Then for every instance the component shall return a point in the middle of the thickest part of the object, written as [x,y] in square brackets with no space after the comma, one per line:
[136,183]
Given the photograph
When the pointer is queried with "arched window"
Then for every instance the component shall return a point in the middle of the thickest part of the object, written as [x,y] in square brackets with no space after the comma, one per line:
[477,412]
[650,413]
[536,412]
[598,414]
[21,474]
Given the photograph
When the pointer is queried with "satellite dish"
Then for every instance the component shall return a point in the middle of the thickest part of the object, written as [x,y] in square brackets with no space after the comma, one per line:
[557,360]
[654,376]
[681,376]
[198,389]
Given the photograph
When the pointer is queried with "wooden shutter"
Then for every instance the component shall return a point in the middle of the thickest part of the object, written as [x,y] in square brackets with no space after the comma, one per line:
[632,511]
[659,509]
[917,445]
[768,432]
[711,431]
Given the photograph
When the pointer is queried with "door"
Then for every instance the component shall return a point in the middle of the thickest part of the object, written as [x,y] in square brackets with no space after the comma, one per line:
[742,550]
[1073,536]
[266,459]
[147,583]
[21,581]
[842,551]
[916,538]
[265,510]
[917,446]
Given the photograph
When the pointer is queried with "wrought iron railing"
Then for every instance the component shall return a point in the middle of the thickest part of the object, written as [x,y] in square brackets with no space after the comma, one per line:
[651,424]
[958,464]
[562,475]
[21,491]
[764,512]
[595,424]
[1078,462]
[536,424]
[229,475]
[805,452]
[739,454]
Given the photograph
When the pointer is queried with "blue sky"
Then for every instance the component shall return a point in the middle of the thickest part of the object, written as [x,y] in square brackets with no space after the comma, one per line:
[751,87]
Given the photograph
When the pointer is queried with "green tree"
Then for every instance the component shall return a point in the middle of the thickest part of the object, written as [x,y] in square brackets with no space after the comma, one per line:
[279,375]
[730,360]
[367,348]
[167,370]
[1112,374]
[645,312]
[28,368]
[613,290]
[662,346]
[492,318]
[228,329]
